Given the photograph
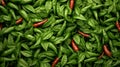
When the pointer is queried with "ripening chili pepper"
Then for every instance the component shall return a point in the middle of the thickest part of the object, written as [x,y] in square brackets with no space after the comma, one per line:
[118,25]
[106,50]
[3,2]
[74,46]
[71,4]
[84,34]
[55,62]
[40,23]
[19,20]
[0,26]
[101,55]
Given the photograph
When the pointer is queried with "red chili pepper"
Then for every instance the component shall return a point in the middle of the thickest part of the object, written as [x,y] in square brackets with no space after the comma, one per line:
[74,46]
[118,25]
[40,23]
[55,62]
[84,34]
[0,26]
[3,2]
[19,20]
[106,50]
[71,4]
[101,55]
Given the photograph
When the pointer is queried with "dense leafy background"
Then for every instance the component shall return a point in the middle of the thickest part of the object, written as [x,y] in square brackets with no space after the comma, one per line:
[22,45]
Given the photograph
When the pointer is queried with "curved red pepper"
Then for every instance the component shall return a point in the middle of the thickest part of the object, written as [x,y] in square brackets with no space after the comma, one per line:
[55,62]
[74,46]
[84,34]
[106,50]
[19,20]
[3,2]
[71,4]
[40,23]
[118,25]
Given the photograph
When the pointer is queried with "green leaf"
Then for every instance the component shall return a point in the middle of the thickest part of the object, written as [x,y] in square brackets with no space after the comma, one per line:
[25,46]
[10,40]
[57,22]
[61,9]
[58,40]
[7,17]
[81,57]
[76,38]
[30,8]
[63,0]
[73,56]
[8,59]
[47,35]
[88,46]
[73,61]
[37,53]
[80,17]
[83,10]
[48,6]
[50,21]
[77,10]
[26,53]
[100,61]
[92,54]
[38,3]
[30,37]
[62,29]
[36,44]
[67,35]
[90,59]
[45,45]
[8,30]
[8,52]
[22,63]
[65,50]
[93,23]
[110,8]
[64,60]
[52,46]
[45,64]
